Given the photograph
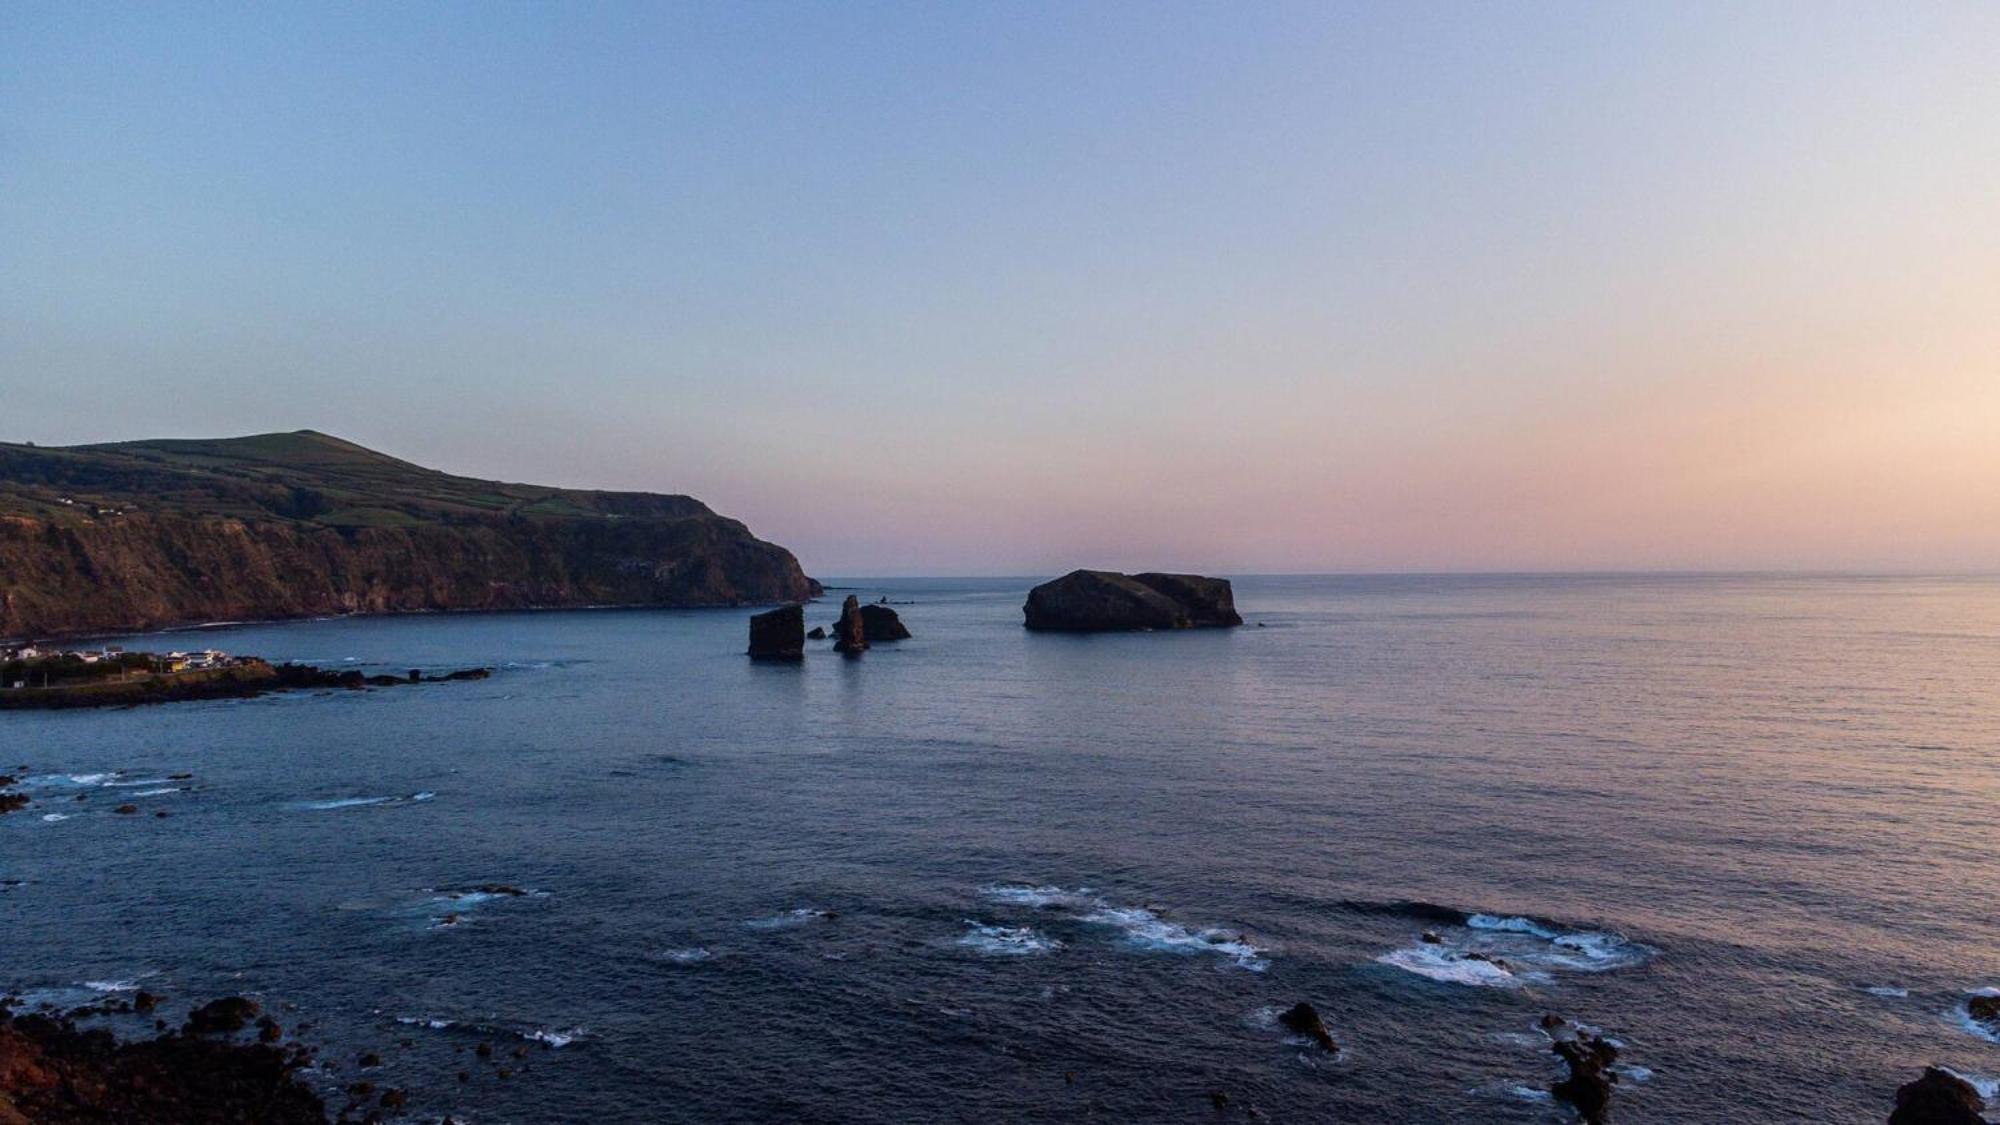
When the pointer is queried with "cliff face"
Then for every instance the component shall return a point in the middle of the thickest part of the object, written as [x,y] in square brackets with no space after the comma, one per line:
[144,535]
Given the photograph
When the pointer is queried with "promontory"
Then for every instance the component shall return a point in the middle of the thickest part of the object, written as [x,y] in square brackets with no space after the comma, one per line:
[148,534]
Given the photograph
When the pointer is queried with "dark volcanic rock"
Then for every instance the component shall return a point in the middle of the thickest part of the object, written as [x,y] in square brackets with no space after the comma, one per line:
[779,634]
[50,1072]
[1588,1086]
[1208,601]
[879,623]
[1938,1098]
[850,635]
[1303,1019]
[1089,601]
[11,801]
[230,1013]
[1986,1010]
[818,633]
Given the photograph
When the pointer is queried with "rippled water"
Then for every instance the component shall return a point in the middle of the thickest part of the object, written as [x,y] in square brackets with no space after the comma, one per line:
[1744,825]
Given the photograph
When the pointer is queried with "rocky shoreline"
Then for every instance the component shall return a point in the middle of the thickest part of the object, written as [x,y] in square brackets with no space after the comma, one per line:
[245,679]
[54,1072]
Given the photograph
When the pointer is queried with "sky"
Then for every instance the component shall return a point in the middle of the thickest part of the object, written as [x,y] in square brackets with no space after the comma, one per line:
[1013,288]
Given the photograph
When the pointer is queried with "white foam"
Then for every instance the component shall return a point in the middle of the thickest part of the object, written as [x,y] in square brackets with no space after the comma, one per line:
[1888,990]
[1016,894]
[1633,1073]
[694,955]
[557,1039]
[1007,941]
[424,1021]
[1962,1015]
[1512,925]
[1450,966]
[363,802]
[156,792]
[110,985]
[1147,930]
[787,920]
[1142,928]
[1539,946]
[1988,1088]
[1518,1090]
[136,784]
[51,818]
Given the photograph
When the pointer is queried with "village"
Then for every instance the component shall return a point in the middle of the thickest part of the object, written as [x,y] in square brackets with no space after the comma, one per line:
[43,666]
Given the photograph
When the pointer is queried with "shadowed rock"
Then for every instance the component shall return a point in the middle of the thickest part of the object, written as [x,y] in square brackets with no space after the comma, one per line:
[52,1072]
[1588,1086]
[879,623]
[779,634]
[1090,601]
[850,634]
[1938,1098]
[818,633]
[1208,601]
[1985,1010]
[230,1013]
[1303,1019]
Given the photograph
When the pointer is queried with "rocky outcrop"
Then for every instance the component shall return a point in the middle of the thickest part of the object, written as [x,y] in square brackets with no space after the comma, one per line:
[52,1072]
[850,633]
[1090,601]
[147,535]
[1589,1058]
[245,679]
[879,623]
[1985,1010]
[1209,602]
[779,634]
[1938,1098]
[1303,1019]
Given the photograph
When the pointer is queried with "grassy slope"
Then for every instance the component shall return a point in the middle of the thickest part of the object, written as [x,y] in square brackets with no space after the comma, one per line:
[305,477]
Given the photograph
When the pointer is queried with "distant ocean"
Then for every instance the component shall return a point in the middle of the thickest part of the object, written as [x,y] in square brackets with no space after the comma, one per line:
[1747,826]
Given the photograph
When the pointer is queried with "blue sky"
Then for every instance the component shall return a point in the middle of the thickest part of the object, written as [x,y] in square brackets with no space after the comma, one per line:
[1011,288]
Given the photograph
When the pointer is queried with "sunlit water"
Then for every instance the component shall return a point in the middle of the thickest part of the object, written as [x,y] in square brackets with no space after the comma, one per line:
[1747,826]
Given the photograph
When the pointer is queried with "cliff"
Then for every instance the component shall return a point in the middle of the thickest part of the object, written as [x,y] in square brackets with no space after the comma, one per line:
[142,535]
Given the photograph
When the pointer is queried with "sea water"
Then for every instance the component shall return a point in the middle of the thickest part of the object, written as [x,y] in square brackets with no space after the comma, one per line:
[1744,826]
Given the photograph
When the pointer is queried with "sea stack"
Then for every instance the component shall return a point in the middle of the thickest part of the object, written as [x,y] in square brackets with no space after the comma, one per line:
[1097,601]
[879,623]
[1938,1098]
[850,633]
[779,634]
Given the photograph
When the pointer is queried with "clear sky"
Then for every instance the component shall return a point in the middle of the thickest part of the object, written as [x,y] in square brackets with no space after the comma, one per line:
[1011,288]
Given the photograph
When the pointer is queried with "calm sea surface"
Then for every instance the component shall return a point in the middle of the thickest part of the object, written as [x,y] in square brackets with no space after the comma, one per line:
[1749,827]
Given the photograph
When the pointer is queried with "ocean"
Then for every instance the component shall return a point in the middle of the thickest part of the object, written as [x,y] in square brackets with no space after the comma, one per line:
[1744,825]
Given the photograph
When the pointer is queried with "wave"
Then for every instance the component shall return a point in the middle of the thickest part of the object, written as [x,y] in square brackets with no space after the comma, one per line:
[1007,941]
[1147,930]
[367,802]
[1453,967]
[1141,927]
[1889,991]
[1589,951]
[555,1038]
[54,817]
[1020,894]
[789,919]
[1987,1088]
[1508,950]
[693,955]
[1961,1014]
